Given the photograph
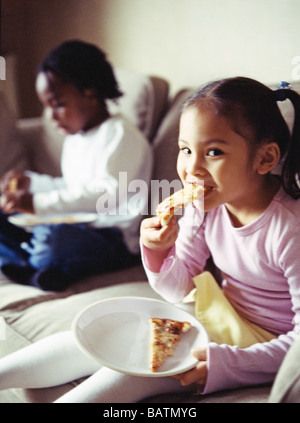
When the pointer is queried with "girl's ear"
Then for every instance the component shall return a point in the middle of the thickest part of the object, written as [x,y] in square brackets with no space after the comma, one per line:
[268,157]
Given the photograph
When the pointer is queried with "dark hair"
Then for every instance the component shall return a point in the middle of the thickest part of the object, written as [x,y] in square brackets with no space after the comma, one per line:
[252,111]
[83,65]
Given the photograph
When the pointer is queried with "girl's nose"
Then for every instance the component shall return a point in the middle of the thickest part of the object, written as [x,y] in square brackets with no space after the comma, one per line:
[196,169]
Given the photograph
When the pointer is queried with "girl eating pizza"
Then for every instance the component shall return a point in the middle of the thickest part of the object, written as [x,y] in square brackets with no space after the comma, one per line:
[232,136]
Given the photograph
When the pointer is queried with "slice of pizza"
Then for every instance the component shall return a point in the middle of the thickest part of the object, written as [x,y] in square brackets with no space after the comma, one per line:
[165,337]
[166,209]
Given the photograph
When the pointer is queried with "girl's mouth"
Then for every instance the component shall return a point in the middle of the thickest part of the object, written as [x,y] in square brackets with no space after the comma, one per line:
[207,189]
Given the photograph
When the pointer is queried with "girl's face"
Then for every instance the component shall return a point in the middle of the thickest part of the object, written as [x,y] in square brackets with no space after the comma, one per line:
[71,110]
[210,151]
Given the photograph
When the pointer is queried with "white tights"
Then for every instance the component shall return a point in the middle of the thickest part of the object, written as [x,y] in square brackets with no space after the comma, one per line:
[57,359]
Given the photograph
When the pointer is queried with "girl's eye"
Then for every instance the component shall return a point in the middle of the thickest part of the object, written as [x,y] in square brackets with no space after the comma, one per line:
[214,152]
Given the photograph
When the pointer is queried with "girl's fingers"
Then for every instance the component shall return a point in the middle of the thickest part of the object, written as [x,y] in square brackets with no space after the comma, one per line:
[151,222]
[199,373]
[199,353]
[196,375]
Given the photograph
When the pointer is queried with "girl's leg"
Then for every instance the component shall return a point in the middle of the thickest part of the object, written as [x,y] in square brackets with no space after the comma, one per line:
[56,360]
[49,362]
[109,386]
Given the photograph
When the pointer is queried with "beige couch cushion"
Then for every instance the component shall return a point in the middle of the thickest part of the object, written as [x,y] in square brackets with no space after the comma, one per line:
[42,314]
[165,145]
[44,145]
[144,100]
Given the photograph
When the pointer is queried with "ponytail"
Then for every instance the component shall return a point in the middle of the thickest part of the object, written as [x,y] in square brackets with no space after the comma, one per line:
[291,164]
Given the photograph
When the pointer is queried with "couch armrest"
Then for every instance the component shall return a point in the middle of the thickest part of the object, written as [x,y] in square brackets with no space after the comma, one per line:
[286,387]
[30,129]
[13,151]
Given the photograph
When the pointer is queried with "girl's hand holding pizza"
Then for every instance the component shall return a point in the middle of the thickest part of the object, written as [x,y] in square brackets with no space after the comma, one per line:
[158,240]
[155,236]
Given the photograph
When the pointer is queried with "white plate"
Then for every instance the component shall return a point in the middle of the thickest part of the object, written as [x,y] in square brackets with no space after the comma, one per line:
[25,220]
[116,332]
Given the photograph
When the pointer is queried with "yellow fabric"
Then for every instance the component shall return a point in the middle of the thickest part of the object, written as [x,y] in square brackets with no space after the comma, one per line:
[222,322]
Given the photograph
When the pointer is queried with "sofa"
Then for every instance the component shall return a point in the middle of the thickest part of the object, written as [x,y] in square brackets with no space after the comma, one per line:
[29,314]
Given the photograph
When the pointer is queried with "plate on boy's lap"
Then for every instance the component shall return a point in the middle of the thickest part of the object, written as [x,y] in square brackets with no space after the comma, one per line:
[116,332]
[27,220]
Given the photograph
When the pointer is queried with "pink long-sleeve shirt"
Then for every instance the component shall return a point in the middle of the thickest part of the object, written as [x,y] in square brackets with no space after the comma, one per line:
[261,268]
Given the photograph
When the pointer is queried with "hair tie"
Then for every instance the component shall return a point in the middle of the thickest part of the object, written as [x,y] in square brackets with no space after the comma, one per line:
[281,92]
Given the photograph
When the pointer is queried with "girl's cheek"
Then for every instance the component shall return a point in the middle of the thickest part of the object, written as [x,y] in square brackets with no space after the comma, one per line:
[181,164]
[178,167]
[181,173]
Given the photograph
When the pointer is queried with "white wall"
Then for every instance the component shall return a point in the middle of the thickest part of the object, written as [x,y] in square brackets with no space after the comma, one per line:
[192,41]
[186,41]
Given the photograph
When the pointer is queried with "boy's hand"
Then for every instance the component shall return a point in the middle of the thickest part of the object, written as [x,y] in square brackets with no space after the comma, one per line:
[13,181]
[20,201]
[15,193]
[199,373]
